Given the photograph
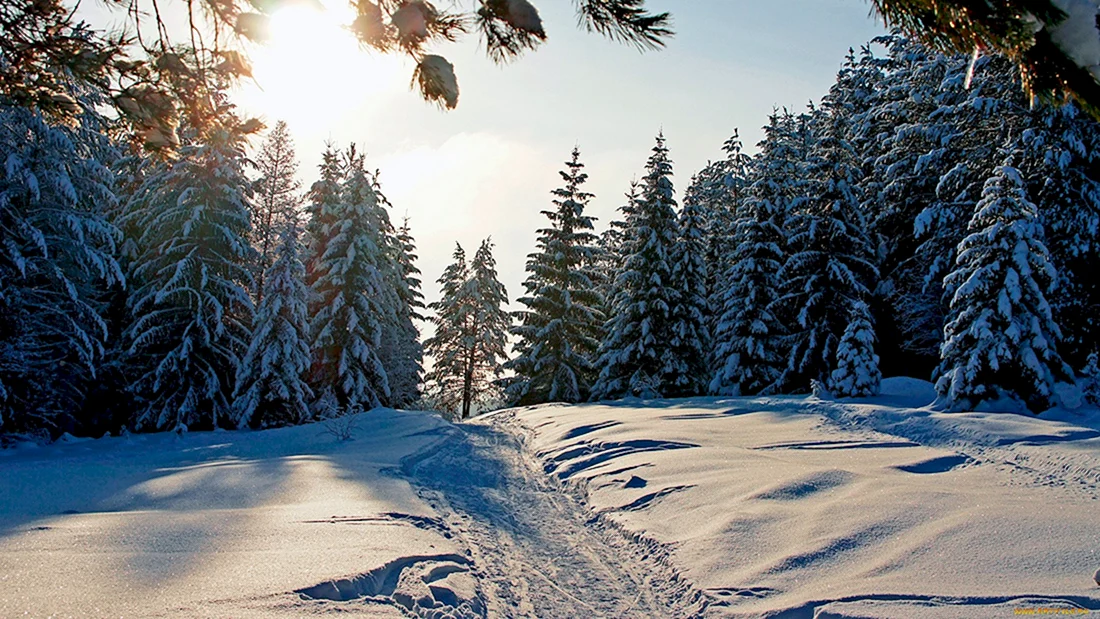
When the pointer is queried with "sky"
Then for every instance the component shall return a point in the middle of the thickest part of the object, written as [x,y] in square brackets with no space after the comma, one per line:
[486,169]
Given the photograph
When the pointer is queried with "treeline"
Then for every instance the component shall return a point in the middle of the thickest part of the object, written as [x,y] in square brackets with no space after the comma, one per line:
[194,288]
[925,219]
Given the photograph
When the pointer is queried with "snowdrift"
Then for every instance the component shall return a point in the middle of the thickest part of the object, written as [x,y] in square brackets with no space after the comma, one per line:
[276,523]
[798,507]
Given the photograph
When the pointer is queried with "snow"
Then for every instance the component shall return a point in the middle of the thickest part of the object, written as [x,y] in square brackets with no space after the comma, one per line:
[879,507]
[219,524]
[711,507]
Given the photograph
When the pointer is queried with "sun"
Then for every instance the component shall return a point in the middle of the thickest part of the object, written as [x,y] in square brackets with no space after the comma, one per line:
[312,71]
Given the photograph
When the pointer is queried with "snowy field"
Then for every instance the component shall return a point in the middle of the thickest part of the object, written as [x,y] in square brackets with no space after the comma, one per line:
[825,509]
[781,506]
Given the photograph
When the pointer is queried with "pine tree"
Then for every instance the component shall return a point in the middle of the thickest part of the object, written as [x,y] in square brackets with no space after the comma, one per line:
[351,298]
[831,259]
[719,191]
[561,328]
[1091,378]
[1062,149]
[1001,339]
[190,304]
[857,374]
[747,351]
[322,208]
[450,344]
[691,344]
[471,333]
[402,354]
[491,326]
[277,198]
[271,384]
[57,254]
[635,356]
[612,246]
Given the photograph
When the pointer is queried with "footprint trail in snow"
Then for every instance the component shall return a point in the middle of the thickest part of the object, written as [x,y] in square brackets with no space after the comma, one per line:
[535,550]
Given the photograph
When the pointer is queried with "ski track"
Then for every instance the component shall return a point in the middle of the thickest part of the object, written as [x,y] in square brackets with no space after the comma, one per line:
[536,550]
[532,548]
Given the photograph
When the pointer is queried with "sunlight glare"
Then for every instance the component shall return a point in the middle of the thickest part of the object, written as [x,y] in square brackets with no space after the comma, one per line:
[312,70]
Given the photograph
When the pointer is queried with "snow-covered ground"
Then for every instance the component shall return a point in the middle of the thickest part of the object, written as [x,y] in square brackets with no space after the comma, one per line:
[223,524]
[873,508]
[779,506]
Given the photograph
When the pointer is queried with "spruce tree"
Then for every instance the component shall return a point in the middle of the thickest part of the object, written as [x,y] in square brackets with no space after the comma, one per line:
[748,356]
[449,346]
[57,255]
[560,330]
[857,374]
[351,298]
[635,356]
[471,331]
[719,191]
[402,353]
[271,384]
[1001,340]
[1062,147]
[192,273]
[491,326]
[830,262]
[277,198]
[691,344]
[1090,376]
[610,260]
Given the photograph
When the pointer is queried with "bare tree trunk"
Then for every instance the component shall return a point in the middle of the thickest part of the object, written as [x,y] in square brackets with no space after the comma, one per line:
[468,383]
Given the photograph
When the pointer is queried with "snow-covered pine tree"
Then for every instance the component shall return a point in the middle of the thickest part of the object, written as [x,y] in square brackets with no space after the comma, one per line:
[612,246]
[402,353]
[271,384]
[635,356]
[491,326]
[352,301]
[748,353]
[450,344]
[691,344]
[1001,340]
[719,191]
[561,328]
[1091,379]
[910,150]
[471,331]
[1061,148]
[192,274]
[857,373]
[321,207]
[831,260]
[57,254]
[277,197]
[973,123]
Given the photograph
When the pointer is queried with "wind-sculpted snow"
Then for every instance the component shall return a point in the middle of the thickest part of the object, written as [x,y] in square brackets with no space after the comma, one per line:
[878,507]
[709,507]
[230,525]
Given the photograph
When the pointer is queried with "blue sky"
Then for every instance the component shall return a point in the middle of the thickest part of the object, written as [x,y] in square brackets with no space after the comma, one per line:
[487,167]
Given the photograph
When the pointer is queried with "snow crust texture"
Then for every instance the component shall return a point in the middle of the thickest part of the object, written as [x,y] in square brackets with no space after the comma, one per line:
[876,507]
[704,507]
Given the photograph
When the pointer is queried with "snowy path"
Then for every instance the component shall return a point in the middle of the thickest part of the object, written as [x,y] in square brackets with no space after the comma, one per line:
[538,552]
[797,507]
[713,507]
